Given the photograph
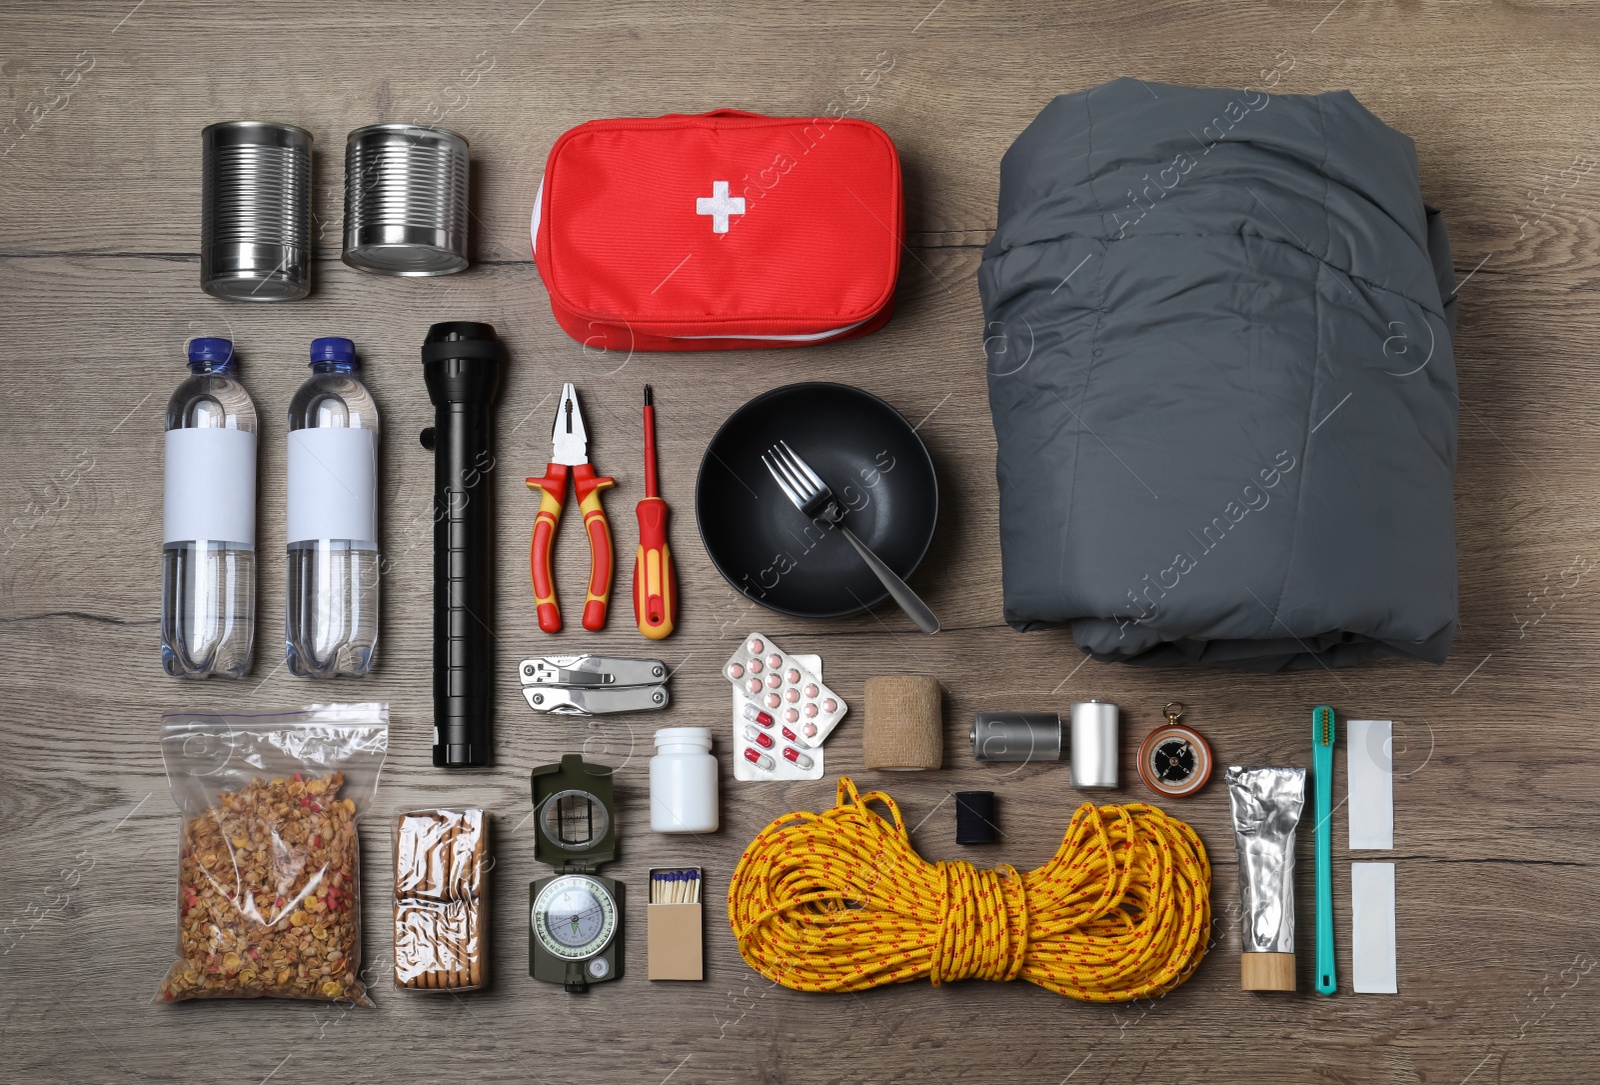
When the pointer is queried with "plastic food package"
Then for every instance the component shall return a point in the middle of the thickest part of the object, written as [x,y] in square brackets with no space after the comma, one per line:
[269,901]
[440,914]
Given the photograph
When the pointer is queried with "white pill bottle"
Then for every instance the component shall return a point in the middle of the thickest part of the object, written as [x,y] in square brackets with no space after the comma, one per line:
[683,782]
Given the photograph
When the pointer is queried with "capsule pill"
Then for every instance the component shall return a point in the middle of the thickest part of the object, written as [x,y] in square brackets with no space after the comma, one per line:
[757,758]
[760,738]
[792,754]
[751,712]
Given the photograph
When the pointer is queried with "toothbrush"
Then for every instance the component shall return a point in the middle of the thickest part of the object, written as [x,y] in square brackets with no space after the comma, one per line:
[1322,736]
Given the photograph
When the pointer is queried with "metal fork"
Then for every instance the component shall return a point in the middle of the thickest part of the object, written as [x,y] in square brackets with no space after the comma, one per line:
[813,498]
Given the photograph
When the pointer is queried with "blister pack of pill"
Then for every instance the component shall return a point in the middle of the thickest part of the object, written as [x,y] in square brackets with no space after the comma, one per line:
[766,748]
[786,688]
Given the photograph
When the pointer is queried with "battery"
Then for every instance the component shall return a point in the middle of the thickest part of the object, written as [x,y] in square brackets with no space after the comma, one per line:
[1094,745]
[1016,736]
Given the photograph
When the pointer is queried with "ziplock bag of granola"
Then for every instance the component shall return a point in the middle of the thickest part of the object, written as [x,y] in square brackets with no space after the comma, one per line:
[269,861]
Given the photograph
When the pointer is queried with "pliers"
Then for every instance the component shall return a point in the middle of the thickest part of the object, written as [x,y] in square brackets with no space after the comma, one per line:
[569,449]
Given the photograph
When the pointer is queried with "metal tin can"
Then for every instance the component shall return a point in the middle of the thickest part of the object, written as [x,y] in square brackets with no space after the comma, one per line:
[1016,736]
[405,200]
[255,211]
[1094,745]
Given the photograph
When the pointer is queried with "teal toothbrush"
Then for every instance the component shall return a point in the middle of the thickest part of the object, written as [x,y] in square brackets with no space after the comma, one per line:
[1322,736]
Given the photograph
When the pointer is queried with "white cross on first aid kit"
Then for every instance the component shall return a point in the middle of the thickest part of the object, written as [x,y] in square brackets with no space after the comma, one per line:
[719,205]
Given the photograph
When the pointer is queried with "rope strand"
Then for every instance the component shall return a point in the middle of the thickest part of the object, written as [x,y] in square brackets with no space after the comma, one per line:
[840,901]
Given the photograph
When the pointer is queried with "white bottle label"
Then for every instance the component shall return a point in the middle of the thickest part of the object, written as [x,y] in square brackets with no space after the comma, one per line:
[333,485]
[210,487]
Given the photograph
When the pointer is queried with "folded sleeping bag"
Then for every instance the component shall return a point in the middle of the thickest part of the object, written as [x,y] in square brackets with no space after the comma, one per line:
[1218,336]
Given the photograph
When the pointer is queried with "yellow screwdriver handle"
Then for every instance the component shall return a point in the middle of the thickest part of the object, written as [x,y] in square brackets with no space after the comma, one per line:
[655,587]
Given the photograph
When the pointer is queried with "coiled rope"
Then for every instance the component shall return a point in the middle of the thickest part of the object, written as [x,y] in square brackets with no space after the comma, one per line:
[839,901]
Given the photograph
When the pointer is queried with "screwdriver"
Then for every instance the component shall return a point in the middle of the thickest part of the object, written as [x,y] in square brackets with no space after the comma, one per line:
[655,586]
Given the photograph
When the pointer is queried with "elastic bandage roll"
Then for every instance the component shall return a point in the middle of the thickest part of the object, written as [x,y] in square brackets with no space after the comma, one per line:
[904,728]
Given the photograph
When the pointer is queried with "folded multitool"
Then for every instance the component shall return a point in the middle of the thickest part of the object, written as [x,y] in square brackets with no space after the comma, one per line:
[586,685]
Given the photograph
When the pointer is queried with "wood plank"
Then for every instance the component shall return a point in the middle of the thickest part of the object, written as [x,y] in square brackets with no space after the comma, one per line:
[1486,154]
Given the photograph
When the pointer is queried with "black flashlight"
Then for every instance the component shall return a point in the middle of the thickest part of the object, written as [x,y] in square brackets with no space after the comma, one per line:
[461,363]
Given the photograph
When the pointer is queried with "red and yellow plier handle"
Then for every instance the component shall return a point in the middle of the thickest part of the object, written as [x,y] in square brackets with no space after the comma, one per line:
[601,559]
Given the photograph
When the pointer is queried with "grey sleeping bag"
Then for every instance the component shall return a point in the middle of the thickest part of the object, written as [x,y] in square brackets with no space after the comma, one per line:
[1218,335]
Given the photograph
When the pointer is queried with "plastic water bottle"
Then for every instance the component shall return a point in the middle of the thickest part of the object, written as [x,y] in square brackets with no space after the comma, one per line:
[208,531]
[331,612]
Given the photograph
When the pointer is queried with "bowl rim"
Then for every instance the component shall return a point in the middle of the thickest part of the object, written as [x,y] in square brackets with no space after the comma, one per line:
[869,603]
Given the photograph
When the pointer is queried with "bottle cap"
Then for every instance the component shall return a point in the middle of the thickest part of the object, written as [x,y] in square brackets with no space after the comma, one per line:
[684,736]
[210,350]
[332,349]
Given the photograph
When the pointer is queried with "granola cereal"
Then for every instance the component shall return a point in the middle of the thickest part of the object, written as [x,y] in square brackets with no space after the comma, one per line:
[268,899]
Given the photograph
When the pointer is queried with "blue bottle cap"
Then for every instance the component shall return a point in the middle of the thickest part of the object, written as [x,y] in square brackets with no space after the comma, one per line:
[216,351]
[332,349]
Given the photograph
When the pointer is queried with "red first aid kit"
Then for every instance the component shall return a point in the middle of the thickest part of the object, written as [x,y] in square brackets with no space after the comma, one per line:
[718,231]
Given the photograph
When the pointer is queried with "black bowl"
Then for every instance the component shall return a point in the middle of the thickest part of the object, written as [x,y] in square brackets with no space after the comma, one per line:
[864,450]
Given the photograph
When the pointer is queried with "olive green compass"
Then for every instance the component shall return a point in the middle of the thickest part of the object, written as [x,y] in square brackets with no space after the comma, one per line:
[575,919]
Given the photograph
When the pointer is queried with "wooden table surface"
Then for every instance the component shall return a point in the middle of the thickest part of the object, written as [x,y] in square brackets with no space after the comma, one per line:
[1497,815]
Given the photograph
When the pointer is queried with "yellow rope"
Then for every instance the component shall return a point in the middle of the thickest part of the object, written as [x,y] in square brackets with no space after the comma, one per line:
[839,901]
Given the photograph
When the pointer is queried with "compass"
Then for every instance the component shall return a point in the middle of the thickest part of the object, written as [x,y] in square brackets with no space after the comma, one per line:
[1174,760]
[575,916]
